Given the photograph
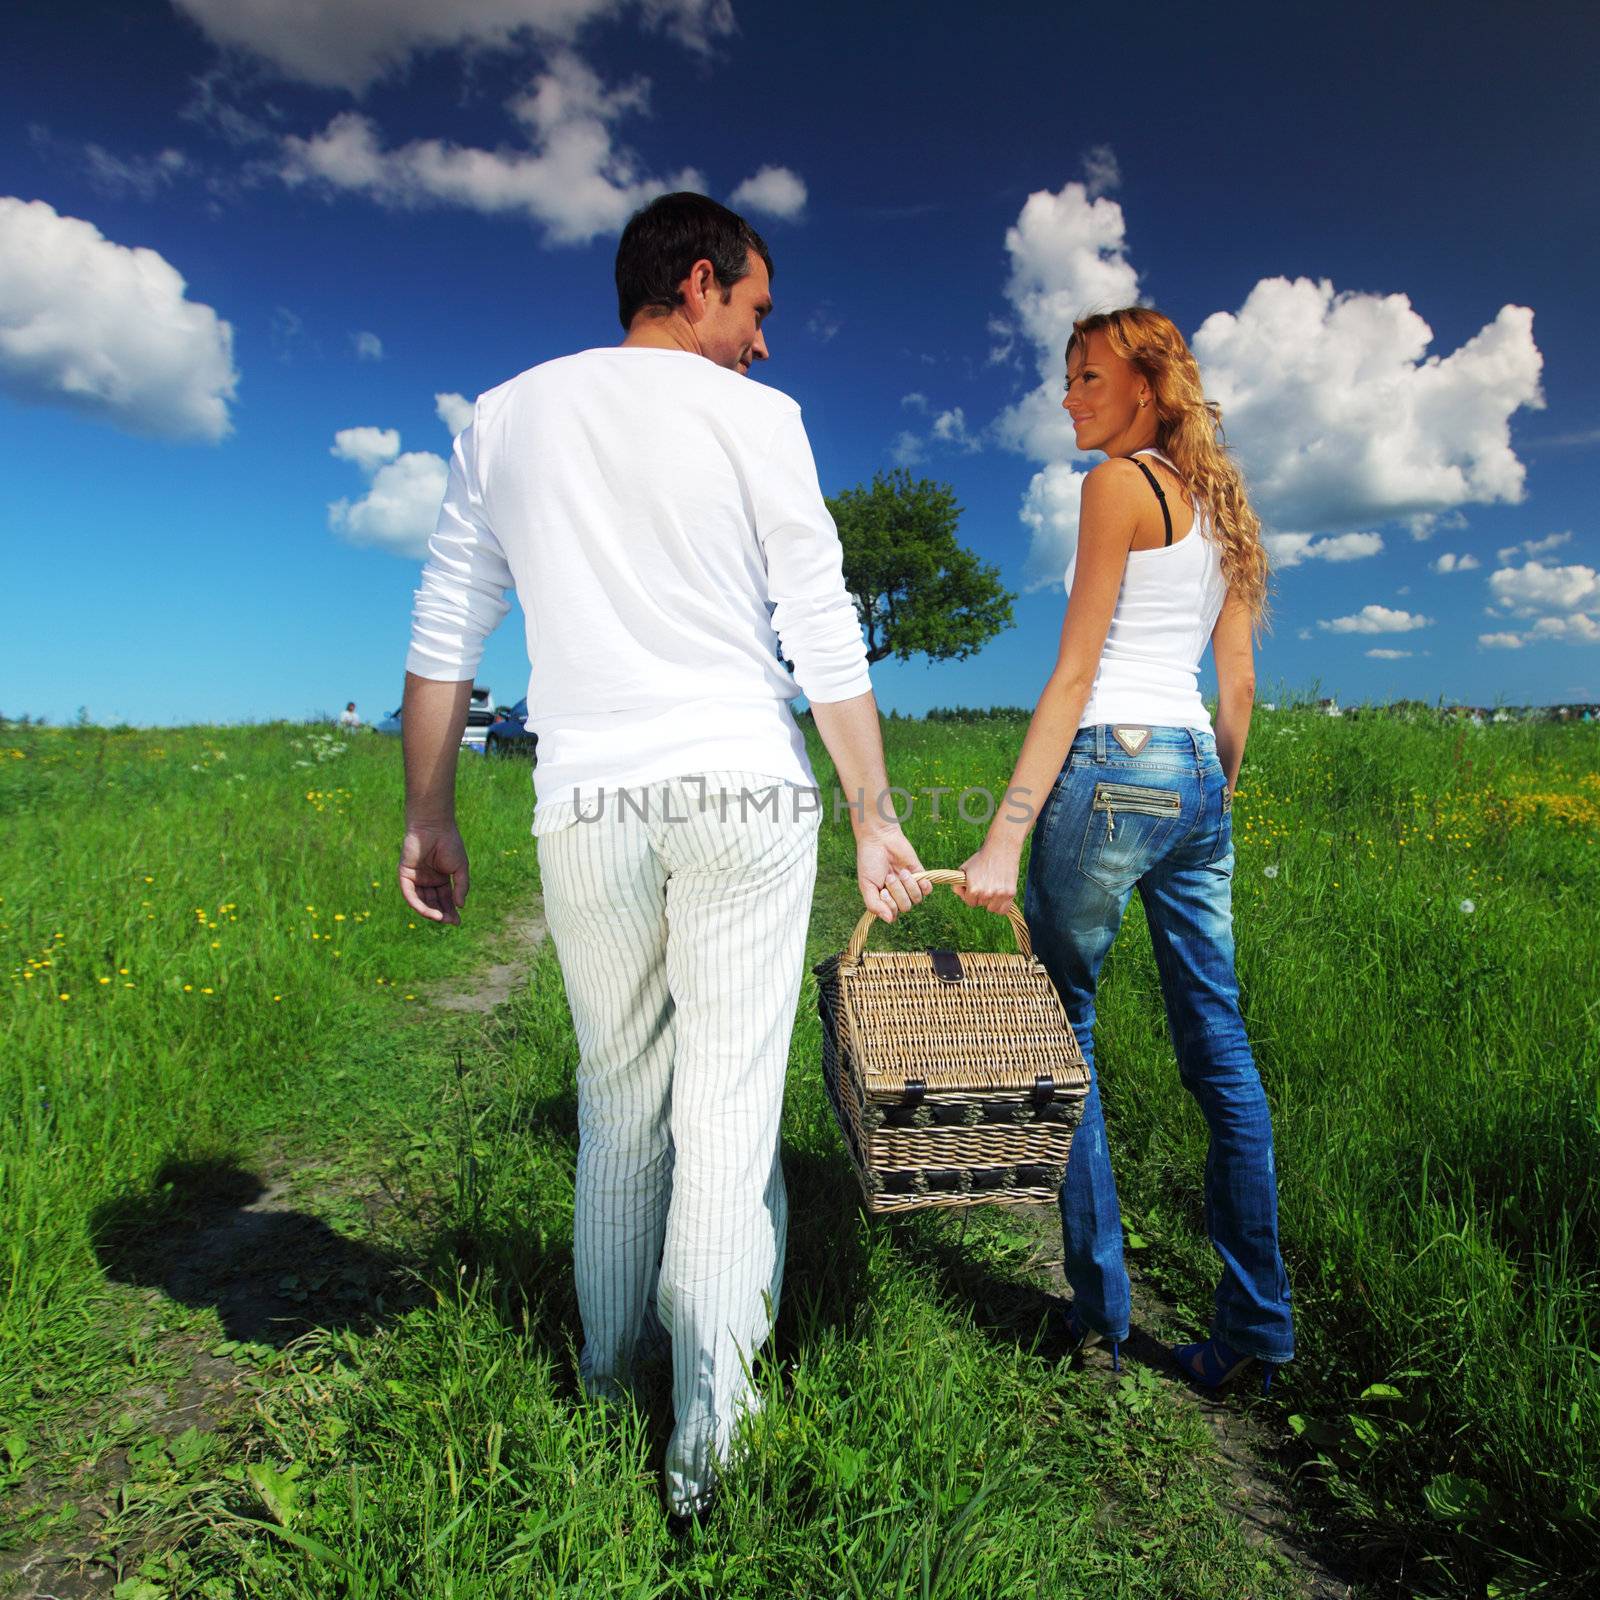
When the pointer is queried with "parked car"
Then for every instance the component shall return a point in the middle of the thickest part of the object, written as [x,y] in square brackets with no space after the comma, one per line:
[510,735]
[474,736]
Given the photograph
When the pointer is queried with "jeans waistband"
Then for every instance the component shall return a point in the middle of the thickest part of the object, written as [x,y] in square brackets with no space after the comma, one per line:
[1097,739]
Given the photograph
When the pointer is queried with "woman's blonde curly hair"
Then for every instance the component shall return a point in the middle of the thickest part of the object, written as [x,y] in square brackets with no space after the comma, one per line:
[1189,434]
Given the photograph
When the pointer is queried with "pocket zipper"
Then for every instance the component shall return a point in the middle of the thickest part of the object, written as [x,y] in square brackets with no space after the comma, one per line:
[1147,802]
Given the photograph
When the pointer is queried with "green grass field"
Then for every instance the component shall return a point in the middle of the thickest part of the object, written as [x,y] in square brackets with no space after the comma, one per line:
[213,981]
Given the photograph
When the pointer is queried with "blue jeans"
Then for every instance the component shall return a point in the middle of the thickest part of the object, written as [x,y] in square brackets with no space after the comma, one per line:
[1160,821]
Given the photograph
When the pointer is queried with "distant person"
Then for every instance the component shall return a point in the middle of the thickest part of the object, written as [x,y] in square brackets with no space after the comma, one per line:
[1140,795]
[661,520]
[348,717]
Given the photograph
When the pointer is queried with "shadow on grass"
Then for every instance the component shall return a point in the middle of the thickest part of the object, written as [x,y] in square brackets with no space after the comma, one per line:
[210,1233]
[1007,1310]
[825,1275]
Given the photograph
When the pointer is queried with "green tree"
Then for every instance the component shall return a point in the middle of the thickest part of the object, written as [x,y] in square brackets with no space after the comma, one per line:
[917,591]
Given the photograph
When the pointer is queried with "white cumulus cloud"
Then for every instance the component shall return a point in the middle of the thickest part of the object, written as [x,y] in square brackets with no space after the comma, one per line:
[368,448]
[1533,547]
[1068,251]
[144,176]
[1575,629]
[572,180]
[369,347]
[1376,619]
[453,410]
[1536,587]
[107,330]
[351,43]
[1379,653]
[1050,513]
[1449,561]
[1068,257]
[1500,641]
[774,191]
[400,509]
[1290,549]
[1340,415]
[907,449]
[950,427]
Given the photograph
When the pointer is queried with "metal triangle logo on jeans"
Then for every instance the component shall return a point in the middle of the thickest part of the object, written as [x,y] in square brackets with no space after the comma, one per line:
[1133,737]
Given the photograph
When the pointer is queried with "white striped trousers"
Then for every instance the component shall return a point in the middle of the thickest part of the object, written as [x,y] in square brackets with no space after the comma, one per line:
[681,935]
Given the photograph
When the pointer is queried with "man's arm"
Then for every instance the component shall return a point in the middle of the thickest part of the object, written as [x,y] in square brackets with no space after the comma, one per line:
[459,603]
[818,629]
[433,860]
[886,865]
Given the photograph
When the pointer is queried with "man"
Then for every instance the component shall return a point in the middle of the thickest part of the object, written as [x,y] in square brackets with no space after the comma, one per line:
[662,523]
[348,718]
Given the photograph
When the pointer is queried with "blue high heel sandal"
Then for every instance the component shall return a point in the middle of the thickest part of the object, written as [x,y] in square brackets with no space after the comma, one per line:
[1079,1333]
[1212,1365]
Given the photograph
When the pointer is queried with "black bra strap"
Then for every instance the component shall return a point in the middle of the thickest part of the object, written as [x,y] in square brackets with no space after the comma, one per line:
[1166,515]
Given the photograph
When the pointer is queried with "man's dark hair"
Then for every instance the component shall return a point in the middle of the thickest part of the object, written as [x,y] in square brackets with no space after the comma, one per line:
[665,238]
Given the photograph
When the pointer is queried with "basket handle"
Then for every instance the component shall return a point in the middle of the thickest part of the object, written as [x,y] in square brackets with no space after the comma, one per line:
[952,876]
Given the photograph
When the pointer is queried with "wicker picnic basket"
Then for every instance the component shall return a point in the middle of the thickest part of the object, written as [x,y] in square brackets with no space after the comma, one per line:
[956,1078]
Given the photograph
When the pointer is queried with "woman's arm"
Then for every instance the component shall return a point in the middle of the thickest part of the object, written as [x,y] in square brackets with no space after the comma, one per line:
[1108,516]
[1233,650]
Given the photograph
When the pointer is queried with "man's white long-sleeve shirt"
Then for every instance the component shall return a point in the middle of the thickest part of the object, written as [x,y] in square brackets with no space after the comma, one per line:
[662,523]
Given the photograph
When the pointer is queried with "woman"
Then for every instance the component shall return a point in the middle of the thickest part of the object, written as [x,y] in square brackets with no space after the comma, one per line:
[1138,792]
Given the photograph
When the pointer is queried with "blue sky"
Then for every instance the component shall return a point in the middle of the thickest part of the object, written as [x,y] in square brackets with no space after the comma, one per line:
[242,255]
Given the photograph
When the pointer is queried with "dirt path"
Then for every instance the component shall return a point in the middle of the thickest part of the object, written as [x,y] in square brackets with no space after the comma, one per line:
[1251,1443]
[520,936]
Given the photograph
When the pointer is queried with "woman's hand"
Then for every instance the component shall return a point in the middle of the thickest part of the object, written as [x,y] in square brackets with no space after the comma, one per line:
[991,877]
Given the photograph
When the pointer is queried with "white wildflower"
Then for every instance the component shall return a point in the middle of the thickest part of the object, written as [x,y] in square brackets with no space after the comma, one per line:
[1468,907]
[1271,872]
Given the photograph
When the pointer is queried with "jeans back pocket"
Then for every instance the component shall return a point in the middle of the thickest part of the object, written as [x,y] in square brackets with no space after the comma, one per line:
[1128,825]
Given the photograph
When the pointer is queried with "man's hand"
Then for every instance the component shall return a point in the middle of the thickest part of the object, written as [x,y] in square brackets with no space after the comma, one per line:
[433,871]
[991,878]
[886,868]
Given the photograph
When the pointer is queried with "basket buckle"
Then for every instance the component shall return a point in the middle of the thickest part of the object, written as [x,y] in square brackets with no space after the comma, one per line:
[946,966]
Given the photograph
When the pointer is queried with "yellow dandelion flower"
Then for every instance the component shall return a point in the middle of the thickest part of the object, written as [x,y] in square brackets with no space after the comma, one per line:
[208,991]
[338,916]
[105,980]
[187,987]
[216,944]
[63,996]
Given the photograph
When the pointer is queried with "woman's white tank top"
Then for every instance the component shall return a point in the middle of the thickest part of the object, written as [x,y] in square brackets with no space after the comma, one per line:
[1166,609]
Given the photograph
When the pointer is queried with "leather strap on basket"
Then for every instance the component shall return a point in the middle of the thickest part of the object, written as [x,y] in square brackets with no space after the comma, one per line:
[952,876]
